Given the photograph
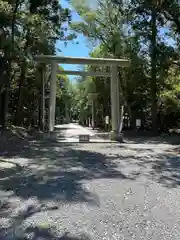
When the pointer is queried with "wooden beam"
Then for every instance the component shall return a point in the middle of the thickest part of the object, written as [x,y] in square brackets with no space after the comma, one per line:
[73,60]
[84,73]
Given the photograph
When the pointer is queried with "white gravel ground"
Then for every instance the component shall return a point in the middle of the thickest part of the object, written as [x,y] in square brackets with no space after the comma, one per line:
[91,192]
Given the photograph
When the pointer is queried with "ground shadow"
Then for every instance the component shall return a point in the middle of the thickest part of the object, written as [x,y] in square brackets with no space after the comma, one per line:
[47,234]
[57,171]
[167,139]
[16,232]
[163,168]
[54,173]
[146,160]
[8,168]
[167,170]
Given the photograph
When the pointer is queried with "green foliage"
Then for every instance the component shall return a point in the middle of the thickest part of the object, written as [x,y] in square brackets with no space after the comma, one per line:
[134,31]
[146,32]
[28,28]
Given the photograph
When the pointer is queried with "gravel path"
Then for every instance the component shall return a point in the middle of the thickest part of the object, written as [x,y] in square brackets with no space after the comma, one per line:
[91,192]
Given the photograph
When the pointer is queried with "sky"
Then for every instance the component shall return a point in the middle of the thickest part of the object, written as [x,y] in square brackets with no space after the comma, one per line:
[81,49]
[72,49]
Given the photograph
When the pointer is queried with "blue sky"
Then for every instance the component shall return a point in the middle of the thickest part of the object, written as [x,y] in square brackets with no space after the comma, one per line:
[81,49]
[72,49]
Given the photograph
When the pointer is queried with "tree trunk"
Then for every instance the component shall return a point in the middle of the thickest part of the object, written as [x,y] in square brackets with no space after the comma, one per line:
[2,108]
[154,72]
[6,95]
[9,55]
[32,111]
[124,99]
[18,117]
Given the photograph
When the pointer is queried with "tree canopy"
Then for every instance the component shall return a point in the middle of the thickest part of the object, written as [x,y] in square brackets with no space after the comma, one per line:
[147,34]
[28,28]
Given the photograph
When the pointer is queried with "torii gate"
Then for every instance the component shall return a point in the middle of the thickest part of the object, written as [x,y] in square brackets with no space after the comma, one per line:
[114,63]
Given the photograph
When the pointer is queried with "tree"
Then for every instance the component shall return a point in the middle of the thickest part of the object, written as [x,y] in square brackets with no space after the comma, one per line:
[134,30]
[148,22]
[28,29]
[63,95]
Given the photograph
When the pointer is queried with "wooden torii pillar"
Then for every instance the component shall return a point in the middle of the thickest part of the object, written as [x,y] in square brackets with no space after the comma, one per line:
[114,63]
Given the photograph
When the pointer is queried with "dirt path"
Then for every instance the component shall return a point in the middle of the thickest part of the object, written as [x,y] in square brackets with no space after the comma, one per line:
[91,191]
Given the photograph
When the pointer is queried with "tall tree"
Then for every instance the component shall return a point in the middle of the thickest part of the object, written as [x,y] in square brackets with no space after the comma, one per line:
[28,28]
[147,24]
[134,30]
